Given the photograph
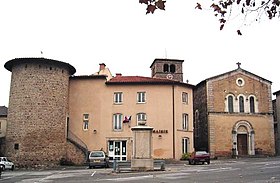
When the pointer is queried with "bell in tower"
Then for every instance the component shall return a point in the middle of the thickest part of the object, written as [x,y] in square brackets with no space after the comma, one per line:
[167,68]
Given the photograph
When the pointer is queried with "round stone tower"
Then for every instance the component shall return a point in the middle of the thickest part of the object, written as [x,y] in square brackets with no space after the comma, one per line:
[38,109]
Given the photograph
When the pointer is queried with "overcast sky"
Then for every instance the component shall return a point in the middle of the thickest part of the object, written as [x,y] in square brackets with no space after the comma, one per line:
[118,33]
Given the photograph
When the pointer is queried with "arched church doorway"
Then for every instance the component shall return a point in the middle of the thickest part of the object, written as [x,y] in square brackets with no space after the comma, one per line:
[243,139]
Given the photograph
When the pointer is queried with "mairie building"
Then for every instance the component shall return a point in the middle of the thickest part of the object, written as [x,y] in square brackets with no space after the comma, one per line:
[56,117]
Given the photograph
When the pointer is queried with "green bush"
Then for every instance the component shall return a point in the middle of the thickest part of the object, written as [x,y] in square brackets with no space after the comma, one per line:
[185,156]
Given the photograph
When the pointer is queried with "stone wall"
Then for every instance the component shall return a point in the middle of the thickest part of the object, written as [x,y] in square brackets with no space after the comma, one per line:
[36,131]
[277,120]
[200,117]
[74,155]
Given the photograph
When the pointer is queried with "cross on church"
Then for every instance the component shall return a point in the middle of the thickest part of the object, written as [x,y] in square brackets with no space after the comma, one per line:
[238,64]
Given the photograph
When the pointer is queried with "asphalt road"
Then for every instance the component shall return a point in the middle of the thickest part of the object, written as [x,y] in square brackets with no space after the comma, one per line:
[255,170]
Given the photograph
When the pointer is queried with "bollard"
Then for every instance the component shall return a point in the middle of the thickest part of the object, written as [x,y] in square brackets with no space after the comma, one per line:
[1,168]
[114,165]
[162,166]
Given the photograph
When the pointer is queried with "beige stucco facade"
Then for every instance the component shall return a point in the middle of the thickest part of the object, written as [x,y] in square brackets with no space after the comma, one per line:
[163,108]
[3,122]
[3,126]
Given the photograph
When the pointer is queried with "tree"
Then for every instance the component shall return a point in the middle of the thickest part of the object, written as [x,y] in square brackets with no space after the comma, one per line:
[152,5]
[225,9]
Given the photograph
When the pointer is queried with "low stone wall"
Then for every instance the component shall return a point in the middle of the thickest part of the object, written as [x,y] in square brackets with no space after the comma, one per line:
[74,155]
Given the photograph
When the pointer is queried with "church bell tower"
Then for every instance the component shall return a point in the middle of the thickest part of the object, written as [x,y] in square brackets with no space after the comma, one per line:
[168,69]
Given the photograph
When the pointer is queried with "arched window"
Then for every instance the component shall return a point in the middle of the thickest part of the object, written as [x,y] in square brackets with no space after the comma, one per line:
[230,104]
[252,104]
[241,104]
[172,68]
[165,68]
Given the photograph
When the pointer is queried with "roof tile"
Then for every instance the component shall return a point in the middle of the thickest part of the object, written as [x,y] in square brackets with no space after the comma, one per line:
[138,79]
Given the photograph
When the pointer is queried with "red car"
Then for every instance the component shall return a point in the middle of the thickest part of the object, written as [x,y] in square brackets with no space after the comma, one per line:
[199,157]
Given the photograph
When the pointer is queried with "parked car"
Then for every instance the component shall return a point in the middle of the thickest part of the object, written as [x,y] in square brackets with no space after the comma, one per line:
[98,158]
[199,157]
[6,164]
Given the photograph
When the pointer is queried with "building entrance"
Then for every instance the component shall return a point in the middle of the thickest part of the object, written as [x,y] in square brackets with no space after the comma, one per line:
[242,144]
[243,139]
[117,150]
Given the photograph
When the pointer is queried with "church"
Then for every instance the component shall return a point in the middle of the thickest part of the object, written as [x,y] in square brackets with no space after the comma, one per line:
[233,115]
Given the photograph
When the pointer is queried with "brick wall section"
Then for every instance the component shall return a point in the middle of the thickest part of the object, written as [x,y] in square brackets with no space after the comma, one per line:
[220,87]
[37,114]
[222,126]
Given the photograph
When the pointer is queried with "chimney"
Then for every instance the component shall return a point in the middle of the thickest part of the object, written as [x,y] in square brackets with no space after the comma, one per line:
[118,74]
[102,66]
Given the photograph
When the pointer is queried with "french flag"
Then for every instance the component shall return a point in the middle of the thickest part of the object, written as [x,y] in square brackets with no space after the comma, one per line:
[127,119]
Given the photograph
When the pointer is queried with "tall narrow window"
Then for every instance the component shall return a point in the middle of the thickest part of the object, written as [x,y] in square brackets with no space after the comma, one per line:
[252,105]
[141,97]
[185,97]
[165,68]
[185,142]
[230,104]
[118,97]
[141,118]
[241,104]
[85,121]
[172,68]
[117,122]
[185,122]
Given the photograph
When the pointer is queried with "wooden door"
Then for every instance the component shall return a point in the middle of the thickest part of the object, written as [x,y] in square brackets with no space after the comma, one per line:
[242,144]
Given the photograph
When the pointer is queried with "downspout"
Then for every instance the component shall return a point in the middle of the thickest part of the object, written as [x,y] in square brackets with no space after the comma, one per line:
[173,119]
[67,127]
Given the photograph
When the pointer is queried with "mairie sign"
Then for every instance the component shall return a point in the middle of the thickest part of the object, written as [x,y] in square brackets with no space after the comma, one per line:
[160,131]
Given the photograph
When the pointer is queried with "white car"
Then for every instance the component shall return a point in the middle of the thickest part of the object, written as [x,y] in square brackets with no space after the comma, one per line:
[6,164]
[98,158]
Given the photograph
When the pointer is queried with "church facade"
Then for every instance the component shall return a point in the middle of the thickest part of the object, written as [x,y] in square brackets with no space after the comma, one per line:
[233,115]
